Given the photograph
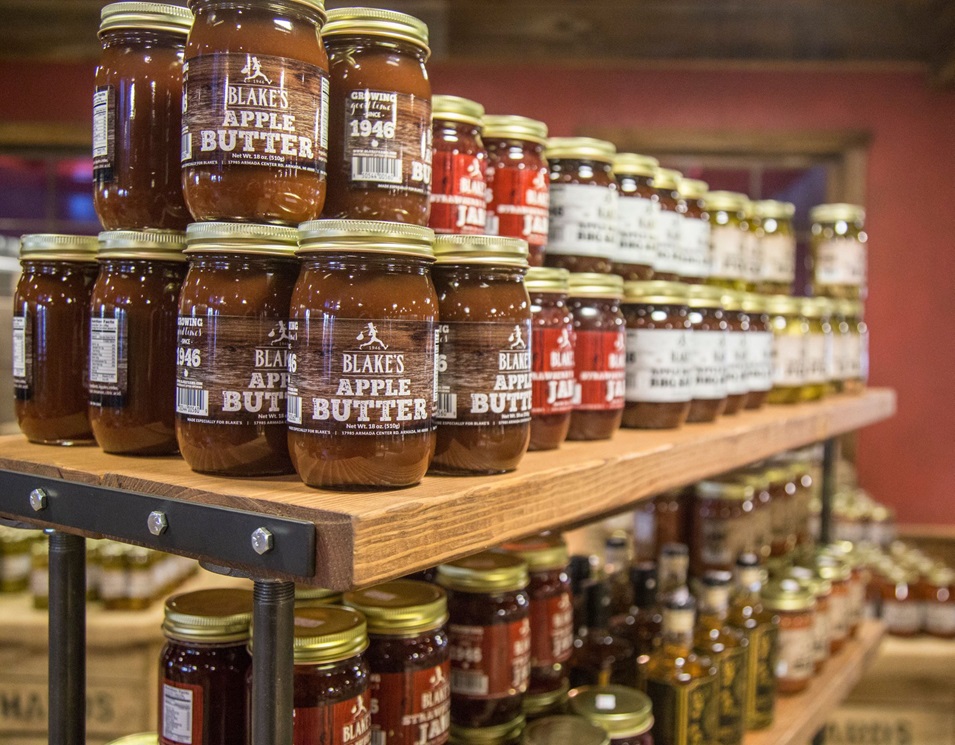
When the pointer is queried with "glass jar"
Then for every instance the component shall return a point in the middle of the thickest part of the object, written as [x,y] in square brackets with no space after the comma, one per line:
[564,728]
[636,207]
[759,351]
[767,514]
[800,475]
[582,232]
[855,349]
[132,373]
[203,668]
[509,733]
[901,609]
[839,574]
[659,382]
[659,521]
[708,353]
[362,355]
[599,355]
[518,181]
[668,224]
[722,524]
[255,111]
[795,606]
[822,620]
[939,603]
[752,247]
[695,234]
[458,176]
[232,358]
[546,703]
[51,322]
[552,349]
[789,349]
[817,348]
[408,660]
[777,246]
[737,351]
[137,117]
[838,250]
[490,637]
[727,228]
[778,478]
[623,713]
[483,407]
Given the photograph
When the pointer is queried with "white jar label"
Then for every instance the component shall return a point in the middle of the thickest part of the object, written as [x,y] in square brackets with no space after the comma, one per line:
[658,366]
[668,231]
[752,257]
[779,258]
[839,615]
[726,252]
[815,358]
[759,360]
[19,347]
[905,617]
[788,361]
[841,261]
[695,247]
[180,705]
[794,659]
[583,220]
[635,223]
[708,353]
[737,379]
[832,364]
[853,357]
[940,618]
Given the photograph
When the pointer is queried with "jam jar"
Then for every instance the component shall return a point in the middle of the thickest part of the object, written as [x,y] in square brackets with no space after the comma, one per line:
[839,251]
[518,181]
[707,353]
[695,232]
[838,573]
[203,668]
[361,377]
[789,342]
[723,524]
[459,173]
[255,111]
[408,660]
[564,728]
[822,591]
[582,233]
[668,224]
[490,637]
[379,128]
[759,351]
[752,247]
[777,246]
[816,348]
[483,406]
[939,601]
[794,604]
[737,360]
[51,322]
[901,608]
[659,382]
[636,208]
[599,355]
[305,595]
[552,350]
[727,229]
[625,714]
[233,348]
[137,116]
[509,733]
[132,372]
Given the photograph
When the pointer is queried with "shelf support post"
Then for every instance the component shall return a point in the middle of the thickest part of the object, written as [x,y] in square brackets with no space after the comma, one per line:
[272,665]
[830,457]
[67,629]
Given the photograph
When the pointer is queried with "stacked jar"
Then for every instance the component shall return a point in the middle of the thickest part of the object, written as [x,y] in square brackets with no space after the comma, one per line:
[636,255]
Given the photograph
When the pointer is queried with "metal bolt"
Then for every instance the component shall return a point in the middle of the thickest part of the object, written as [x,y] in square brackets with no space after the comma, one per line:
[262,540]
[157,522]
[38,500]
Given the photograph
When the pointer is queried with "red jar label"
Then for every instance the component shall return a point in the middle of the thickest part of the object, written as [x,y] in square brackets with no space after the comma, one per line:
[553,372]
[552,630]
[411,708]
[22,357]
[345,723]
[601,360]
[458,189]
[518,203]
[254,110]
[180,720]
[490,661]
[109,359]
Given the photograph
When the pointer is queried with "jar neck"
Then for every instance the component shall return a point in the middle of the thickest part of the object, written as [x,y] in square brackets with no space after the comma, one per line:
[481,273]
[548,299]
[366,262]
[582,167]
[195,644]
[138,265]
[448,130]
[53,266]
[609,305]
[142,37]
[237,262]
[262,8]
[358,43]
[513,144]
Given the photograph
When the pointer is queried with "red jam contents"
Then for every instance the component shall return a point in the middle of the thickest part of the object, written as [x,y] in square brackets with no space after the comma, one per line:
[458,174]
[637,243]
[625,714]
[668,224]
[707,353]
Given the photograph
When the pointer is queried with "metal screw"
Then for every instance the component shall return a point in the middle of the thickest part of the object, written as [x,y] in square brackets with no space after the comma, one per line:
[262,540]
[38,500]
[157,522]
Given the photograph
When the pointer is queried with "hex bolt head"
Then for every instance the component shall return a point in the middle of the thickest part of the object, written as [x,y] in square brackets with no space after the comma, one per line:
[157,522]
[38,500]
[262,541]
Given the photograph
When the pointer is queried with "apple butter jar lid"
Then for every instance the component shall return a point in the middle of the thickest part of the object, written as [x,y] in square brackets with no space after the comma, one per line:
[489,571]
[831,213]
[389,24]
[541,552]
[726,201]
[546,279]
[591,284]
[241,238]
[580,148]
[634,164]
[480,249]
[704,296]
[59,247]
[693,188]
[655,292]
[456,109]
[317,236]
[667,178]
[153,16]
[401,607]
[211,616]
[621,711]
[511,127]
[158,245]
[328,633]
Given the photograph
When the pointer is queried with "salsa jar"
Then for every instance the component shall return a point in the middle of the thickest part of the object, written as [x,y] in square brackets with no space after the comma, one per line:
[599,355]
[794,605]
[552,349]
[660,374]
[255,96]
[137,117]
[668,224]
[133,317]
[203,667]
[636,209]
[759,351]
[777,246]
[737,348]
[459,172]
[789,342]
[490,637]
[408,660]
[233,348]
[564,728]
[51,326]
[361,367]
[839,251]
[723,524]
[582,232]
[625,714]
[518,181]
[695,231]
[726,211]
[707,353]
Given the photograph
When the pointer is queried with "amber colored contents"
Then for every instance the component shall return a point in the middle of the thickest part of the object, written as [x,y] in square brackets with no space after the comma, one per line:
[600,657]
[795,606]
[721,525]
[549,430]
[641,624]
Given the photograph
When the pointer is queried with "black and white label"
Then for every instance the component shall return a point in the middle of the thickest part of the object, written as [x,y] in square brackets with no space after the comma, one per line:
[668,231]
[779,258]
[635,223]
[659,369]
[759,360]
[104,127]
[22,353]
[708,352]
[752,257]
[108,360]
[695,247]
[737,379]
[726,252]
[583,220]
[815,358]
[841,261]
[179,721]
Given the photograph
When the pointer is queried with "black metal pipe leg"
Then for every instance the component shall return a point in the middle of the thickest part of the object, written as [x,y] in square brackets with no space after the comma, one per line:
[830,457]
[272,666]
[67,715]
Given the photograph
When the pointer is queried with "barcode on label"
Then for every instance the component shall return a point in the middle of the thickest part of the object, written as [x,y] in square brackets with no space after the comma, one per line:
[191,401]
[446,406]
[378,737]
[369,168]
[469,682]
[294,413]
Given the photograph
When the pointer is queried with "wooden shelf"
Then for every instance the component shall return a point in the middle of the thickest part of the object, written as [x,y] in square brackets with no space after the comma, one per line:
[367,537]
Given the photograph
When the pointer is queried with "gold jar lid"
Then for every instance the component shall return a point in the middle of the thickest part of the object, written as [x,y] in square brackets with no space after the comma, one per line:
[494,735]
[547,279]
[754,303]
[726,201]
[580,148]
[512,127]
[389,24]
[832,568]
[730,490]
[591,284]
[328,633]
[489,571]
[456,109]
[667,178]
[733,300]
[837,212]
[140,738]
[157,245]
[481,249]
[541,552]
[538,704]
[214,615]
[316,6]
[782,305]
[152,16]
[655,292]
[810,579]
[58,247]
[693,188]
[621,711]
[241,238]
[564,728]
[634,164]
[365,236]
[305,595]
[815,307]
[704,296]
[401,607]
[787,594]
[773,209]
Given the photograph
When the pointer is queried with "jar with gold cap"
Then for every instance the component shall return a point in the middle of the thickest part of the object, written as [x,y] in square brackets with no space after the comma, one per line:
[837,571]
[726,210]
[695,235]
[901,607]
[636,209]
[737,351]
[789,349]
[582,233]
[509,733]
[668,224]
[822,619]
[518,181]
[546,703]
[362,354]
[759,351]
[490,637]
[306,596]
[854,348]
[777,246]
[817,348]
[752,246]
[564,728]
[707,352]
[408,660]
[51,322]
[203,668]
[625,714]
[780,480]
[722,524]
[839,251]
[794,604]
[484,391]
[459,165]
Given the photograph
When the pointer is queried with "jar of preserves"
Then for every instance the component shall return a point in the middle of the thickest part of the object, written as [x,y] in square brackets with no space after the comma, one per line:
[484,391]
[789,342]
[838,250]
[458,176]
[362,354]
[51,322]
[137,116]
[939,603]
[546,703]
[839,574]
[490,637]
[722,524]
[255,111]
[759,351]
[132,373]
[822,619]
[509,733]
[636,209]
[901,609]
[564,728]
[855,347]
[599,355]
[777,246]
[582,232]
[708,353]
[659,382]
[727,227]
[695,234]
[795,606]
[408,660]
[203,668]
[737,351]
[625,714]
[518,181]
[668,224]
[800,474]
[233,347]
[752,247]
[817,348]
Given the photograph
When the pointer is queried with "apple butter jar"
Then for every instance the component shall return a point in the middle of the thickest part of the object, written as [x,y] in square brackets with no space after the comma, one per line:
[759,351]
[132,371]
[137,116]
[484,398]
[233,348]
[726,210]
[777,246]
[51,326]
[379,129]
[737,359]
[839,251]
[490,636]
[582,234]
[600,355]
[707,353]
[668,225]
[458,176]
[362,354]
[255,111]
[636,209]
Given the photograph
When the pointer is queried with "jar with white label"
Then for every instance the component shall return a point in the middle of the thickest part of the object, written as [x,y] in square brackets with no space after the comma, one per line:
[737,351]
[795,607]
[636,208]
[459,167]
[708,353]
[582,232]
[817,353]
[822,619]
[722,524]
[726,211]
[839,251]
[789,349]
[901,609]
[759,351]
[695,235]
[854,346]
[752,246]
[668,225]
[838,573]
[777,246]
[660,373]
[939,602]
